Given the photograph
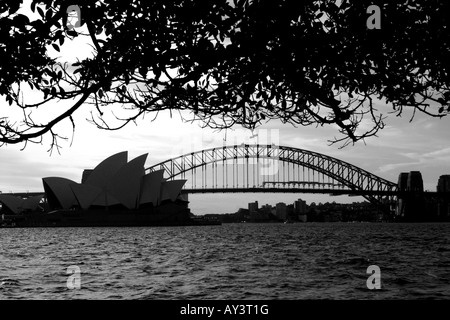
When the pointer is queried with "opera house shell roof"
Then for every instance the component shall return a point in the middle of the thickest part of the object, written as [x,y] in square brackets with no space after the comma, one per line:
[114,183]
[18,205]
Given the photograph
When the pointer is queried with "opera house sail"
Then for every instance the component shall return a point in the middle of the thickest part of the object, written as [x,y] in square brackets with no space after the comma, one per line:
[117,192]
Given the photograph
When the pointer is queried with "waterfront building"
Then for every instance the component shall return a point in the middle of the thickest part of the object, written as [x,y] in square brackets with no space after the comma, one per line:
[300,207]
[267,208]
[281,211]
[114,183]
[242,214]
[443,183]
[15,205]
[411,207]
[253,207]
[443,206]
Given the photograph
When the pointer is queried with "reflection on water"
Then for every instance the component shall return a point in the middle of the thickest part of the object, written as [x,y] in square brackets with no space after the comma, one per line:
[231,261]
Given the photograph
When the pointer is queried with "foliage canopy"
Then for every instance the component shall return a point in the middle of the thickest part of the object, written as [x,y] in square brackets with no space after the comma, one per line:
[228,62]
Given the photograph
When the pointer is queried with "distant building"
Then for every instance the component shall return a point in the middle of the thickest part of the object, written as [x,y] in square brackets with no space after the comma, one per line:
[290,210]
[443,183]
[253,207]
[411,206]
[242,214]
[281,211]
[268,211]
[300,207]
[259,216]
[443,206]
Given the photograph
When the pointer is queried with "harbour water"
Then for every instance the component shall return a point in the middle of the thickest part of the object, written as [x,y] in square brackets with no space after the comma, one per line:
[231,261]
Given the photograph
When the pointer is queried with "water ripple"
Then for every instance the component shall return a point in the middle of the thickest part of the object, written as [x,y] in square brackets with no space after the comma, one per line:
[232,261]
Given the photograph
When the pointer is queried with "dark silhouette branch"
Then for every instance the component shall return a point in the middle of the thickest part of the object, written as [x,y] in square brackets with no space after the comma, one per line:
[228,64]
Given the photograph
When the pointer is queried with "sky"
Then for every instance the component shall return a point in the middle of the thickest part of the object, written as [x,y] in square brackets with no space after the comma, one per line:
[421,145]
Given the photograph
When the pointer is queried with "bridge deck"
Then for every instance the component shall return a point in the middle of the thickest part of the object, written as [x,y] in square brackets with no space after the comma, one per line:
[311,190]
[282,190]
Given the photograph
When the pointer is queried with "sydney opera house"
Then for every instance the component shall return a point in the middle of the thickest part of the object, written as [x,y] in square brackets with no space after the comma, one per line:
[116,192]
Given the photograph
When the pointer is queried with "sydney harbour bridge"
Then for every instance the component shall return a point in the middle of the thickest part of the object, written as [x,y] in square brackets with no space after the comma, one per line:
[271,168]
[254,168]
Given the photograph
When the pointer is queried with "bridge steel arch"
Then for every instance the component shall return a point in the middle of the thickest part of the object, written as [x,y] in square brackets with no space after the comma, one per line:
[370,186]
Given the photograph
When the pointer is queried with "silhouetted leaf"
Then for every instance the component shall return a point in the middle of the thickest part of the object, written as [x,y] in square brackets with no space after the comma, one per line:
[41,12]
[48,14]
[72,33]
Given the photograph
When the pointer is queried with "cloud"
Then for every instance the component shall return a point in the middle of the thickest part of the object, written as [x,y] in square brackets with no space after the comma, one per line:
[439,155]
[398,166]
